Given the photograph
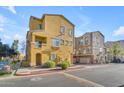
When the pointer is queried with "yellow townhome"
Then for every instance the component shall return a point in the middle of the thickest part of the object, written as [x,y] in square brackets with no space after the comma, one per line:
[49,38]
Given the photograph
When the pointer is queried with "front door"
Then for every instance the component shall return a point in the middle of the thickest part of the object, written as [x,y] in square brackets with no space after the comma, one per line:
[38,59]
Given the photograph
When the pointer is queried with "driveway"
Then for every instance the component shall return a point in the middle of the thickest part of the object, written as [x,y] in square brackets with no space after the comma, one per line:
[110,75]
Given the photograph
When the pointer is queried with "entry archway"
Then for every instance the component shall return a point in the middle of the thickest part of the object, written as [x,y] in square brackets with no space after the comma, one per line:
[38,59]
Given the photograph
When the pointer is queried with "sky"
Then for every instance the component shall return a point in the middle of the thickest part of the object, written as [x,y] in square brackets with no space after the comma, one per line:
[14,20]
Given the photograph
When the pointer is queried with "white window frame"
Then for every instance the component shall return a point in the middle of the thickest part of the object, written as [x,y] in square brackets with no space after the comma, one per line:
[54,40]
[71,32]
[62,30]
[53,56]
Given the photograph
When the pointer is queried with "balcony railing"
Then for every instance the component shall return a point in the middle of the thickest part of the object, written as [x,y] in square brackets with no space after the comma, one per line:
[39,45]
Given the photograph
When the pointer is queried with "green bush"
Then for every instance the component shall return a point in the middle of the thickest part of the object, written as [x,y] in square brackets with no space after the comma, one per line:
[3,73]
[25,64]
[1,59]
[50,64]
[64,65]
[69,63]
[13,64]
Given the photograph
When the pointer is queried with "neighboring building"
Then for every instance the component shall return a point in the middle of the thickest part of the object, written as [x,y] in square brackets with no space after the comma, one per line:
[49,38]
[89,48]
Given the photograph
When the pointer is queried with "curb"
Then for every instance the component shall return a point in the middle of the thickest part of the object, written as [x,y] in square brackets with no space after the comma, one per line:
[30,74]
[46,72]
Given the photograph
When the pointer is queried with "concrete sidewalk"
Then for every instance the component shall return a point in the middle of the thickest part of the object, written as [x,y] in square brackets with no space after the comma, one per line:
[35,71]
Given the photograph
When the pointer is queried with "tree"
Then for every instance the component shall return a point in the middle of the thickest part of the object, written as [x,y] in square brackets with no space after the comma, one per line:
[6,51]
[23,46]
[15,45]
[116,50]
[0,46]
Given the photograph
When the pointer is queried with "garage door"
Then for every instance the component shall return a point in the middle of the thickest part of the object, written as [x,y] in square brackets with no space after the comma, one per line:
[85,60]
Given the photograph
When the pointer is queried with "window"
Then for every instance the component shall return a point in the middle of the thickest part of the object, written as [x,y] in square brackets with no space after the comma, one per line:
[97,45]
[53,56]
[70,43]
[60,37]
[66,42]
[86,41]
[71,32]
[62,42]
[87,50]
[39,26]
[38,44]
[62,29]
[81,42]
[55,42]
[101,50]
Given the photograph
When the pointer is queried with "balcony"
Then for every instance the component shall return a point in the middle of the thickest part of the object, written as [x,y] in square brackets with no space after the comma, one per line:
[40,42]
[40,33]
[39,45]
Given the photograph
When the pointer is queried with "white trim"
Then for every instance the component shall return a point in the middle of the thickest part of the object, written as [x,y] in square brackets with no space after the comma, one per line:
[53,54]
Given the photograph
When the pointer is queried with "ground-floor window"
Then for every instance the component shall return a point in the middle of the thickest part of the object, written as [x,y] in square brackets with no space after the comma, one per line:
[53,56]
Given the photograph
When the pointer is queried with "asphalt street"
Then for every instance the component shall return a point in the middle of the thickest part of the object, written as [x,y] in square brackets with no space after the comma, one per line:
[55,80]
[111,75]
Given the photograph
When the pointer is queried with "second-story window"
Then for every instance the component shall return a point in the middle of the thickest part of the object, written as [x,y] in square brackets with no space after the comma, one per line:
[66,42]
[38,44]
[81,42]
[39,26]
[62,30]
[71,43]
[97,45]
[86,41]
[71,33]
[62,42]
[55,42]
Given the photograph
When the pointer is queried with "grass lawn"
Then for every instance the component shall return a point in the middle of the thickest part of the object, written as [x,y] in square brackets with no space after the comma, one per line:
[4,74]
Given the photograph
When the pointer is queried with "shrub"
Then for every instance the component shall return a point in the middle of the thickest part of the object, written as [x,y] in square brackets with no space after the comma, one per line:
[50,64]
[64,65]
[4,72]
[1,60]
[13,64]
[69,63]
[25,64]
